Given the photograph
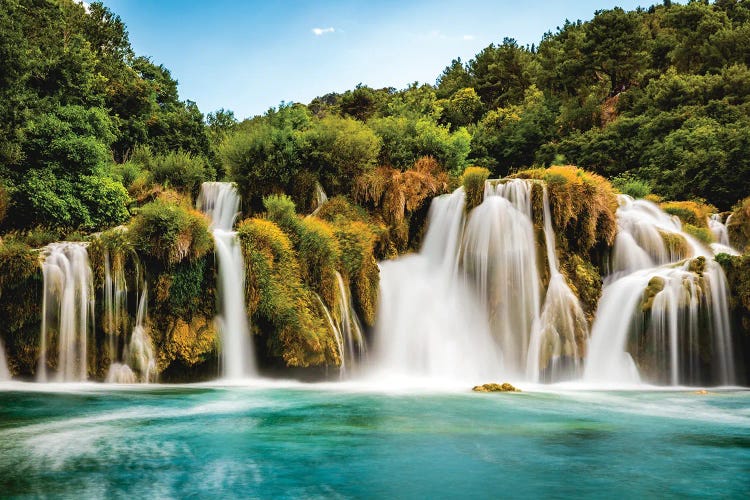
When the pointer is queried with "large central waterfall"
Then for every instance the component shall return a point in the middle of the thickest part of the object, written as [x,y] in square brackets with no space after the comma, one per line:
[469,305]
[485,298]
[221,202]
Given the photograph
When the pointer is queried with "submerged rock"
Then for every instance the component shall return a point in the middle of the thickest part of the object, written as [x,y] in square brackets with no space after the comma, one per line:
[492,387]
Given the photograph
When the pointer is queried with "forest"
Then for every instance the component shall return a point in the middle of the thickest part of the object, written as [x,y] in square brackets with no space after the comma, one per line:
[652,103]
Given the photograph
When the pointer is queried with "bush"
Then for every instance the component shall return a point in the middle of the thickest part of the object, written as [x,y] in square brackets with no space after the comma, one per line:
[632,186]
[106,200]
[181,170]
[473,180]
[17,263]
[170,233]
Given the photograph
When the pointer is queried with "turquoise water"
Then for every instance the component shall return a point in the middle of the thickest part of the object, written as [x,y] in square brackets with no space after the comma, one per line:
[319,441]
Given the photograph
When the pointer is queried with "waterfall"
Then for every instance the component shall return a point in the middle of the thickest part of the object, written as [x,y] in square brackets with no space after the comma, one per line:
[221,202]
[138,360]
[470,303]
[665,302]
[115,302]
[430,323]
[346,327]
[499,261]
[562,325]
[718,229]
[320,198]
[4,373]
[67,309]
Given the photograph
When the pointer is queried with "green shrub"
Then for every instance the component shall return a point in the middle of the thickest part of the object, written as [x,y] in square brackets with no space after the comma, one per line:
[170,233]
[632,186]
[181,170]
[106,199]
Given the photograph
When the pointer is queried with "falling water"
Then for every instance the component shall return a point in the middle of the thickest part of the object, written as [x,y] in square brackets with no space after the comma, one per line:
[665,302]
[4,373]
[499,261]
[320,198]
[138,361]
[430,324]
[115,301]
[67,309]
[562,326]
[719,229]
[221,202]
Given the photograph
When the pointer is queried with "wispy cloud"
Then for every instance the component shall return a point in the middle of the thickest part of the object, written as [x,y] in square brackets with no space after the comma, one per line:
[322,31]
[469,37]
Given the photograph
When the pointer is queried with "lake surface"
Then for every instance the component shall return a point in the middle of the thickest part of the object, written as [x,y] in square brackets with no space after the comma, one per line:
[342,440]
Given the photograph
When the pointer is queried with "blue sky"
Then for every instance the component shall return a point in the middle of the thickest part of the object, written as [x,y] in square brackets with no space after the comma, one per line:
[248,56]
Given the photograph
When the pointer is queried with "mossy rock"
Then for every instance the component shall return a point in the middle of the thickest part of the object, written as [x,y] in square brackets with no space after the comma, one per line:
[278,297]
[582,205]
[585,282]
[655,285]
[493,387]
[738,226]
[695,213]
[676,244]
[189,342]
[473,180]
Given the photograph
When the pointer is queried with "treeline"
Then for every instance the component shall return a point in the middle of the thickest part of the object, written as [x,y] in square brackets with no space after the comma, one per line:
[655,99]
[74,102]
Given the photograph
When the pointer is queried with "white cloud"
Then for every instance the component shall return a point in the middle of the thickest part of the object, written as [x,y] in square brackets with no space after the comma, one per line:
[86,5]
[322,31]
[469,37]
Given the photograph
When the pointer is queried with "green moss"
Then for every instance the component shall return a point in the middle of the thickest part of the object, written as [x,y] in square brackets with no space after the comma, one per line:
[473,180]
[702,234]
[20,305]
[676,244]
[694,213]
[582,205]
[278,296]
[584,281]
[738,226]
[360,268]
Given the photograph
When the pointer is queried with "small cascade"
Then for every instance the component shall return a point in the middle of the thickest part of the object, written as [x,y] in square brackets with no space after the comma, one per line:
[115,302]
[320,198]
[718,229]
[67,310]
[352,346]
[138,363]
[430,323]
[221,202]
[140,352]
[562,326]
[4,372]
[663,310]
